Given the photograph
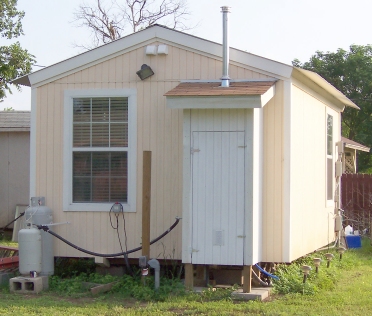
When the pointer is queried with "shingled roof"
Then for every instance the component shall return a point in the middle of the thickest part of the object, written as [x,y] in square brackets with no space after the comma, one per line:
[215,89]
[15,121]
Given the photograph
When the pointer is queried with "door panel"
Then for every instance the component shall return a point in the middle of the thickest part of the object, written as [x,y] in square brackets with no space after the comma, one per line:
[218,198]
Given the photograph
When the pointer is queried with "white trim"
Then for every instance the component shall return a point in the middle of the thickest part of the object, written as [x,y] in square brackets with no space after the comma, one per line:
[33,142]
[330,202]
[253,186]
[130,206]
[187,186]
[317,83]
[214,102]
[145,37]
[220,102]
[287,172]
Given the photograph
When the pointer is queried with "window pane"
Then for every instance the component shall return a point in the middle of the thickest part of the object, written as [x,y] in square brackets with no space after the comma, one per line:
[119,135]
[81,190]
[100,176]
[329,178]
[81,110]
[82,163]
[119,171]
[329,135]
[100,135]
[119,109]
[101,164]
[81,187]
[81,137]
[100,110]
[101,187]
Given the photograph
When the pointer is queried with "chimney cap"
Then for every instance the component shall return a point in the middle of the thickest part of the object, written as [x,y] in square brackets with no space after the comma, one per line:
[225,9]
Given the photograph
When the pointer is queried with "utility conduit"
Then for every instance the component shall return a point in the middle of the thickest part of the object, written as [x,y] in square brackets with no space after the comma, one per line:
[46,228]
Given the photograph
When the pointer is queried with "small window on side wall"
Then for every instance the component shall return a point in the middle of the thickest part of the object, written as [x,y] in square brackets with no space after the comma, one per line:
[329,164]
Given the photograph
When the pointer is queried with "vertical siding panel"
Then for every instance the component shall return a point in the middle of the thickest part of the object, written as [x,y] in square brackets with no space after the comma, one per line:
[189,65]
[248,74]
[233,72]
[204,72]
[196,66]
[211,69]
[182,64]
[118,71]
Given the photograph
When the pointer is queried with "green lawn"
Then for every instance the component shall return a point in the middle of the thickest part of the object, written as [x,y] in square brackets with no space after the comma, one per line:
[350,295]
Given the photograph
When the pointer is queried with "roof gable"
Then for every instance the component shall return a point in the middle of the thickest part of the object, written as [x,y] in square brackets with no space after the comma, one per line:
[146,36]
[165,35]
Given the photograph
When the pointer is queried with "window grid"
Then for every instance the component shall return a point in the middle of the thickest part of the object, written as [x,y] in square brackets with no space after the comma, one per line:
[92,184]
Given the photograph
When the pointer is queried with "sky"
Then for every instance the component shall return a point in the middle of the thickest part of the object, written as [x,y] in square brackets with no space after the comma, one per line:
[281,30]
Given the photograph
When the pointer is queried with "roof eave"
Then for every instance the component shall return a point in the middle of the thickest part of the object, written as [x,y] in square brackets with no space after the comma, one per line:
[110,50]
[356,147]
[24,81]
[325,85]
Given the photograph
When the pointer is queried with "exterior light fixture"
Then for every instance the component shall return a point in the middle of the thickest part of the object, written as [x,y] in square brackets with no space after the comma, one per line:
[329,257]
[317,262]
[145,72]
[305,270]
[341,250]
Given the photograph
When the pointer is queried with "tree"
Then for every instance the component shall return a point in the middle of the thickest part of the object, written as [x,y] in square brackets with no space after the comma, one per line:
[351,73]
[108,22]
[14,60]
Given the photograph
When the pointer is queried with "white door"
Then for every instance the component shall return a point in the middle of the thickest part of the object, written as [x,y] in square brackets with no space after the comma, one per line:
[218,197]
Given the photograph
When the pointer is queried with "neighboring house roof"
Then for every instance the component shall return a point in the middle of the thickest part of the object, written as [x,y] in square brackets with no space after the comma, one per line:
[215,89]
[354,145]
[147,36]
[15,121]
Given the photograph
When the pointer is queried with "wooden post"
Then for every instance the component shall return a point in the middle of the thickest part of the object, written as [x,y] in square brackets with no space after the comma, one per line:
[146,202]
[247,279]
[189,276]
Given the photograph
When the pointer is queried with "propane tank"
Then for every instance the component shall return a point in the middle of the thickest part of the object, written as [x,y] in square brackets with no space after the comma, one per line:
[39,214]
[29,247]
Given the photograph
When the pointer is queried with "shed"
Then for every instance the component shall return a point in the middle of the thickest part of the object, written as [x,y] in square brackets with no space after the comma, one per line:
[14,163]
[249,167]
[350,163]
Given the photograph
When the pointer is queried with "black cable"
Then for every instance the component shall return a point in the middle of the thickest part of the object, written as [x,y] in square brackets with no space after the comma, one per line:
[46,228]
[117,232]
[20,215]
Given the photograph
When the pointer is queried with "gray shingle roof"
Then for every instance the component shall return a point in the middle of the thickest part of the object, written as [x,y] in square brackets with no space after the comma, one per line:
[15,121]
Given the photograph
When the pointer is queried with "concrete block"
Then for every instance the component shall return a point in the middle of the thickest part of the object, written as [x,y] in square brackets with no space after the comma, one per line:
[102,262]
[28,285]
[255,294]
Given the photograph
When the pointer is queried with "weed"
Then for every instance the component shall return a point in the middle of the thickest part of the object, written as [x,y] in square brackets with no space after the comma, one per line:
[70,267]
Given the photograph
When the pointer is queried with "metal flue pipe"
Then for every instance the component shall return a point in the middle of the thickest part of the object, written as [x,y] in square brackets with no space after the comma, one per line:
[225,80]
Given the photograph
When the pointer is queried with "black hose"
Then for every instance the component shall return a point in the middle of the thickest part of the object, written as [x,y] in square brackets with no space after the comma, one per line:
[20,215]
[46,228]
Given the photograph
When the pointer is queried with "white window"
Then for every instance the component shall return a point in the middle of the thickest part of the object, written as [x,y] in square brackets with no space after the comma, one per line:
[100,149]
[329,163]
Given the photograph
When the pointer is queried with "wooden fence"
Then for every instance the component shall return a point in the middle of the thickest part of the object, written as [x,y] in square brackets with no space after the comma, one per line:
[356,200]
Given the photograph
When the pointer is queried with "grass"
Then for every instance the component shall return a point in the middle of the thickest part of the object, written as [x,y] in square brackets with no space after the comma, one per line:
[342,289]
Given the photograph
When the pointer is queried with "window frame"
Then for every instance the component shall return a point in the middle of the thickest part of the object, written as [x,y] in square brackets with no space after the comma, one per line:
[329,202]
[69,95]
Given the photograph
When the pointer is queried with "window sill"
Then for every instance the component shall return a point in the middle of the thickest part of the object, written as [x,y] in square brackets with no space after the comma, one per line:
[96,207]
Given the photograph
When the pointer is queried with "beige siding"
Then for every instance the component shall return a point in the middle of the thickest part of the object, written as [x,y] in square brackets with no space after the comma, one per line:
[14,173]
[272,220]
[159,129]
[312,223]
